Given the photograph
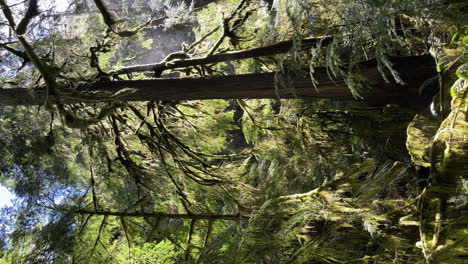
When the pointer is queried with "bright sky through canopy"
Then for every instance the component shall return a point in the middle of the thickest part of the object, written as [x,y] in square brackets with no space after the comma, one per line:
[61,5]
[5,197]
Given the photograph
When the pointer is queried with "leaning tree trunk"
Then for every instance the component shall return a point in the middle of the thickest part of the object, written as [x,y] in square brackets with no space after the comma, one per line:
[413,71]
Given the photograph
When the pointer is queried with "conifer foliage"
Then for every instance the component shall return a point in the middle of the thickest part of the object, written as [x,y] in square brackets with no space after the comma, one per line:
[234,131]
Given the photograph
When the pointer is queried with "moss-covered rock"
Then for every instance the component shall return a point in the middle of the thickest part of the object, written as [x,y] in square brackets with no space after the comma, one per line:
[420,133]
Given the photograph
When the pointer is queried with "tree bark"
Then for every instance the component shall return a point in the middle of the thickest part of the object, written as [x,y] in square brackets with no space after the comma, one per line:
[165,215]
[413,71]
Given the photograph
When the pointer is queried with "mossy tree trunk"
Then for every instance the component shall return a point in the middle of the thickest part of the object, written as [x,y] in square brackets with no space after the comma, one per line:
[413,70]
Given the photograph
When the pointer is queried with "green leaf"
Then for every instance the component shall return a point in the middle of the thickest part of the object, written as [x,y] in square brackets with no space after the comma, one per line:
[147,44]
[465,40]
[453,91]
[454,37]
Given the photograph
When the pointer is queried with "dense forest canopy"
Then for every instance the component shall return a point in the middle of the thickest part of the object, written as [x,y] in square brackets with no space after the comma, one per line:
[234,131]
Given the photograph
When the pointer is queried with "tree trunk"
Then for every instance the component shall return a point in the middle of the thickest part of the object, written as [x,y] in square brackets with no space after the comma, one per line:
[413,71]
[165,215]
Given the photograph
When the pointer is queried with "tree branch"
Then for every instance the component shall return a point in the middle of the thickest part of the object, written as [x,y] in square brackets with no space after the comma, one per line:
[7,13]
[278,48]
[31,12]
[21,54]
[108,17]
[42,67]
[164,215]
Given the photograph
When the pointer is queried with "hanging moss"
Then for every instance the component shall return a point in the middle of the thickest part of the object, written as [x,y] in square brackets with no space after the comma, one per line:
[329,225]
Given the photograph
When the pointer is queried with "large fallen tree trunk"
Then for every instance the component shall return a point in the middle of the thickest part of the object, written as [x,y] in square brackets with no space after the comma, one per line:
[412,70]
